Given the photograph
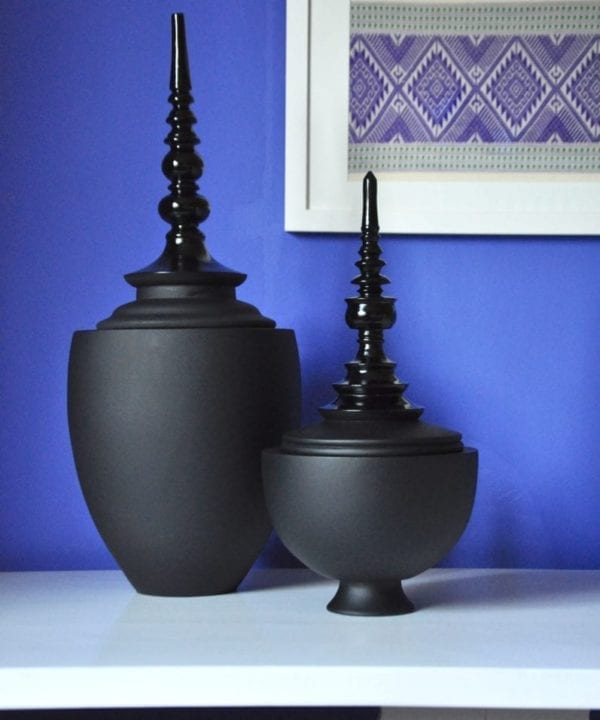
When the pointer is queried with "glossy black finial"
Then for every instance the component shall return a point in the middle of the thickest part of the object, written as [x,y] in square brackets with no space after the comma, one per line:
[371,386]
[185,259]
[183,208]
[185,287]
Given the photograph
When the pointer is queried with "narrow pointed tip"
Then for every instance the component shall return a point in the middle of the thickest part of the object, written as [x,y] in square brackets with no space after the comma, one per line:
[370,221]
[180,70]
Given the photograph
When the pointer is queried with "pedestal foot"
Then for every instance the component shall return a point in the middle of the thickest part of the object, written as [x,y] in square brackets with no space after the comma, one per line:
[370,598]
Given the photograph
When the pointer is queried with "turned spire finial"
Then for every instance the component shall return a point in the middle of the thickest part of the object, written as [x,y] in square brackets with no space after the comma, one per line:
[371,386]
[183,208]
[184,287]
[185,259]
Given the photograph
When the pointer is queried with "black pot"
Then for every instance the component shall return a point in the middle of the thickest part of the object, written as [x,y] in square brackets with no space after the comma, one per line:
[167,427]
[370,522]
[370,495]
[172,399]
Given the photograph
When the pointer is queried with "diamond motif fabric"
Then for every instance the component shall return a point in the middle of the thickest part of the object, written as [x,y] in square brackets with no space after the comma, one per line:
[483,86]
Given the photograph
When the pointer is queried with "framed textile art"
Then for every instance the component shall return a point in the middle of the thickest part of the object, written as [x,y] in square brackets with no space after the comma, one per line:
[479,117]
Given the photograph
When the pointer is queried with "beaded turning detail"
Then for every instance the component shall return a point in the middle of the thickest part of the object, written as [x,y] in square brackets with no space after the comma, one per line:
[371,386]
[185,259]
[183,208]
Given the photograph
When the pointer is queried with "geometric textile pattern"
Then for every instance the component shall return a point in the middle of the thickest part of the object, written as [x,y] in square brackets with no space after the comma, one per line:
[369,88]
[582,90]
[436,88]
[522,98]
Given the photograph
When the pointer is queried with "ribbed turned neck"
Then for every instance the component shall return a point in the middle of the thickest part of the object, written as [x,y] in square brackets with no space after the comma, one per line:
[371,417]
[371,388]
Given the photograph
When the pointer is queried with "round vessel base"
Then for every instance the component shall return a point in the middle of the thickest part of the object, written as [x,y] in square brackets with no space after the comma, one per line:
[370,598]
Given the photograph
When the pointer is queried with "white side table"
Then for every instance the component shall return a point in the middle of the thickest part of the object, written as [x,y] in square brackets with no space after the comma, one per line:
[482,641]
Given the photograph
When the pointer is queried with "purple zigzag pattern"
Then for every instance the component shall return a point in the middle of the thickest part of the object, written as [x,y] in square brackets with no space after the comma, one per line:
[555,50]
[476,47]
[469,88]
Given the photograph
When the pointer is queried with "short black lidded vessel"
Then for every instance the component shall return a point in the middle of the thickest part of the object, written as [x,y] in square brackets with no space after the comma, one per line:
[371,494]
[172,399]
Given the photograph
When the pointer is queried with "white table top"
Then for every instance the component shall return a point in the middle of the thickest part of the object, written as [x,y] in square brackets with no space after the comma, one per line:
[480,638]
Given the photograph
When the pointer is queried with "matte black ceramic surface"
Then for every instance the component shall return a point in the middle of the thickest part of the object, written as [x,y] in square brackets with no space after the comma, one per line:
[173,397]
[370,495]
[370,521]
[167,427]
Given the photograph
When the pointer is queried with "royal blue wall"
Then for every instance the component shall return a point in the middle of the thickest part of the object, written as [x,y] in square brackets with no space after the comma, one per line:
[498,337]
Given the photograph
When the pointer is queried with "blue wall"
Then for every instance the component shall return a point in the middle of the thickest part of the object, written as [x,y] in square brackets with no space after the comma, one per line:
[498,337]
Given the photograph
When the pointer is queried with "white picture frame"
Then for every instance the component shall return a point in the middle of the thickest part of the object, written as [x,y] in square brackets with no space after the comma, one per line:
[320,196]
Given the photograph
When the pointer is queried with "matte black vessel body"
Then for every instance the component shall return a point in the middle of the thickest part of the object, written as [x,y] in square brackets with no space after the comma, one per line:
[167,427]
[370,522]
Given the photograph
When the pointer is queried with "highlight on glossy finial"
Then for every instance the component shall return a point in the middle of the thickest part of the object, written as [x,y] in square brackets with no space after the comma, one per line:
[180,69]
[370,221]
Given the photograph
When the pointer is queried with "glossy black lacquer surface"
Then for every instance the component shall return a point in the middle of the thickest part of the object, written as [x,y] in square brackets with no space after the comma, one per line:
[183,208]
[371,386]
[172,399]
[185,286]
[371,494]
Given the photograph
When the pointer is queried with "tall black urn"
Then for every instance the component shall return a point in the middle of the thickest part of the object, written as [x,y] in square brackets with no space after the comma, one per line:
[173,397]
[370,495]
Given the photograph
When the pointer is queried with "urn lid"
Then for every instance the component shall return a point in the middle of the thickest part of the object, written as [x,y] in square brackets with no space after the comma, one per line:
[371,416]
[185,286]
